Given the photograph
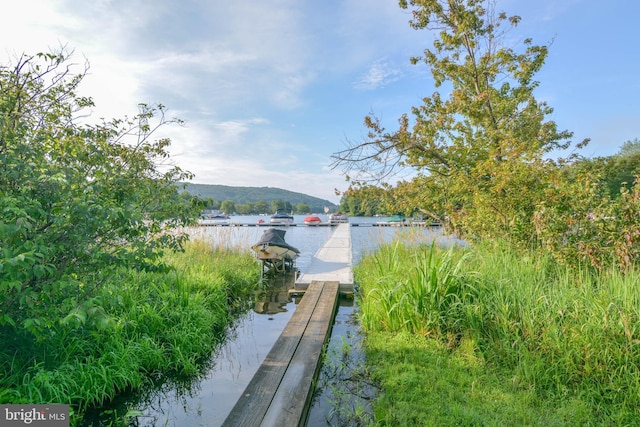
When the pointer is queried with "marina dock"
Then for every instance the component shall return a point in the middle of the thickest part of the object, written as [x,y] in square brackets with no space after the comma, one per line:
[331,263]
[324,224]
[280,392]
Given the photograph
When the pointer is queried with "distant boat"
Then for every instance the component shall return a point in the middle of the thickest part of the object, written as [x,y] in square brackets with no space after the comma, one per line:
[281,218]
[274,251]
[338,218]
[312,220]
[220,218]
[396,219]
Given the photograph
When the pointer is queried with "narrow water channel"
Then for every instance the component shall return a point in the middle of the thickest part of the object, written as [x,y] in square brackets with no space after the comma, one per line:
[207,400]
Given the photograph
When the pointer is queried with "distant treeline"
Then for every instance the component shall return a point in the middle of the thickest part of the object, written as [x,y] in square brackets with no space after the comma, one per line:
[256,200]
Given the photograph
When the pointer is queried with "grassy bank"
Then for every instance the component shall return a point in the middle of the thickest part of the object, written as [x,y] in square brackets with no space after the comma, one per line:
[140,327]
[488,336]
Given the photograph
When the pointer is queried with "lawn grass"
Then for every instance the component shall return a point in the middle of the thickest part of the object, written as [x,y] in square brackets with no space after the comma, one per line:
[492,336]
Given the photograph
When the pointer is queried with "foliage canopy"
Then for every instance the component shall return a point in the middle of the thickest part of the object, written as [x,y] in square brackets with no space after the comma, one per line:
[76,200]
[482,135]
[479,146]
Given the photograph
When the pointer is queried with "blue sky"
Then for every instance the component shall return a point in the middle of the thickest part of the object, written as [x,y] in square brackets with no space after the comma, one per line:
[270,89]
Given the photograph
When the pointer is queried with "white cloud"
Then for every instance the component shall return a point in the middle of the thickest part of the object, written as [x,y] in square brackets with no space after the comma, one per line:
[266,88]
[381,73]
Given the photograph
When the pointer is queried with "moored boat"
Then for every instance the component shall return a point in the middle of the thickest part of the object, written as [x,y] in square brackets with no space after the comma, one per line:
[281,218]
[396,219]
[312,220]
[274,251]
[215,219]
[338,218]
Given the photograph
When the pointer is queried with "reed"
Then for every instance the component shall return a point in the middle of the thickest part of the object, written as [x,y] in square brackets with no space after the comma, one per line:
[153,325]
[423,295]
[561,333]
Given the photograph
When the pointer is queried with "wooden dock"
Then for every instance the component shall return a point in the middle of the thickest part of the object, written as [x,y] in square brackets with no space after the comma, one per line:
[325,224]
[332,262]
[280,392]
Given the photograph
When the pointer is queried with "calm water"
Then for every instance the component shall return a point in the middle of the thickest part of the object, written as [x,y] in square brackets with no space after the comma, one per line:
[208,400]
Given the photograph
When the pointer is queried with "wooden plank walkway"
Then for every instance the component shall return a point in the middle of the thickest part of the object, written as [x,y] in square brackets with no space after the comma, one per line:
[280,392]
[332,262]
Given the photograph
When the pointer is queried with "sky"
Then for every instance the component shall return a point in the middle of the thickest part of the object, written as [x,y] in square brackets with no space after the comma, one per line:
[270,89]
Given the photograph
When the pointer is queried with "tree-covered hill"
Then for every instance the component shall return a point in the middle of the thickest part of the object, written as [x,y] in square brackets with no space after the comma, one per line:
[241,195]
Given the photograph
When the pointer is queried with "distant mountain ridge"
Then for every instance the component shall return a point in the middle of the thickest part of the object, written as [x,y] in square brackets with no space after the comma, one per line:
[255,194]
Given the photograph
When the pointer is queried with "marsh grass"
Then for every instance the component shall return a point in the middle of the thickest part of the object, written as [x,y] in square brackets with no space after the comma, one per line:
[562,345]
[424,297]
[154,325]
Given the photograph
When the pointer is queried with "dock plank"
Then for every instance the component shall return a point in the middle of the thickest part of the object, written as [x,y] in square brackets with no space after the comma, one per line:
[285,370]
[291,401]
[332,262]
[249,410]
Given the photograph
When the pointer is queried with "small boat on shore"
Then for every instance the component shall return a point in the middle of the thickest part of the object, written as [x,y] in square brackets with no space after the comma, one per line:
[312,220]
[281,218]
[274,252]
[338,218]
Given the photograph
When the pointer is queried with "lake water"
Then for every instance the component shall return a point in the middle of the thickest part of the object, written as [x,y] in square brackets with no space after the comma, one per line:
[208,400]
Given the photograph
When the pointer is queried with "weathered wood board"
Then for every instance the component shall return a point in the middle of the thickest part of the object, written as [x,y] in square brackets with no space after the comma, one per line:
[280,392]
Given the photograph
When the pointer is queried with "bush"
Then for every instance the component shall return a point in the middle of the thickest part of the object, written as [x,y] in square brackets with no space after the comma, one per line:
[76,201]
[579,223]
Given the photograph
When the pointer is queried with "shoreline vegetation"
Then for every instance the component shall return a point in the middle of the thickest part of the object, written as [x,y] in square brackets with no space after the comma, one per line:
[486,335]
[490,335]
[97,298]
[155,326]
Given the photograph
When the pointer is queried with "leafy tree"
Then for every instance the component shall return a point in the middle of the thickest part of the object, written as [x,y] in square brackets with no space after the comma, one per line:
[479,140]
[76,201]
[303,208]
[281,205]
[623,168]
[630,148]
[277,205]
[351,201]
[228,206]
[368,200]
[590,211]
[211,204]
[261,207]
[614,172]
[420,197]
[244,208]
[578,222]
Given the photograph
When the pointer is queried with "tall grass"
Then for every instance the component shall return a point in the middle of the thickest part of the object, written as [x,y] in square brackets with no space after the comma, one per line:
[153,325]
[561,333]
[422,296]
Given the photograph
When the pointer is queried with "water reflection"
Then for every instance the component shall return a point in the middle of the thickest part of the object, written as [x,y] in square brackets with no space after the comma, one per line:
[275,296]
[208,399]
